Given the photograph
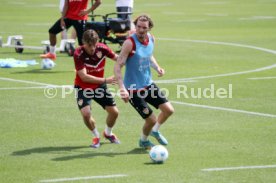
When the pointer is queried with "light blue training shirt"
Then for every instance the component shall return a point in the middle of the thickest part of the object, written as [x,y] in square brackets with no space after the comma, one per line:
[137,73]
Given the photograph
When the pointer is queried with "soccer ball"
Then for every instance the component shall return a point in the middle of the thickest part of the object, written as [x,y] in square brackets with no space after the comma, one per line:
[47,63]
[158,154]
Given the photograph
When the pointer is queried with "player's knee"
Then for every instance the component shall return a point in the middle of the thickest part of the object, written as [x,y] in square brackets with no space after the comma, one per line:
[169,111]
[114,112]
[86,115]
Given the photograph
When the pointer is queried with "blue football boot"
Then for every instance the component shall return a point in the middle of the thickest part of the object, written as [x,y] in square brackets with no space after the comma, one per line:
[159,137]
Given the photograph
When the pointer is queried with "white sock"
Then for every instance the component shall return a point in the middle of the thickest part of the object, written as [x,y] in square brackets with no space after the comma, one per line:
[108,131]
[96,133]
[156,127]
[144,137]
[53,49]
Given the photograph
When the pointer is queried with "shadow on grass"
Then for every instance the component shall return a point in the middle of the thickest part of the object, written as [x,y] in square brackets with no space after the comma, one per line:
[153,163]
[47,150]
[89,153]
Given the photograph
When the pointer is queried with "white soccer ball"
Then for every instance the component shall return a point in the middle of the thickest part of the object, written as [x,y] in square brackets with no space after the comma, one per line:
[47,63]
[158,154]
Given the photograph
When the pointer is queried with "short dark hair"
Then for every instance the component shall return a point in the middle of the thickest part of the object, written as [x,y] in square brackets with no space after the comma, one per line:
[90,37]
[144,18]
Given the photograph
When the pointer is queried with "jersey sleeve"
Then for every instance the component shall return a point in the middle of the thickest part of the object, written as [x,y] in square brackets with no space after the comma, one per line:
[79,64]
[109,53]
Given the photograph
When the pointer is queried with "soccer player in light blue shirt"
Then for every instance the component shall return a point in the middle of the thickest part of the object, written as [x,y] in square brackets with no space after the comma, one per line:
[138,87]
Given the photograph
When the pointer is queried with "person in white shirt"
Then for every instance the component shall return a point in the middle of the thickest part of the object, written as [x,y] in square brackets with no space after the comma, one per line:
[124,7]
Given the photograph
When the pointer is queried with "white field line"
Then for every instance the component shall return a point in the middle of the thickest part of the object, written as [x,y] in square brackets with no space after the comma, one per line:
[28,82]
[219,75]
[38,87]
[258,18]
[84,178]
[24,88]
[225,44]
[220,43]
[178,81]
[42,85]
[225,109]
[261,78]
[238,168]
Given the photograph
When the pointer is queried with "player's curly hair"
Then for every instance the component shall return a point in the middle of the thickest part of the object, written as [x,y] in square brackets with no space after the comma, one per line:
[144,18]
[90,37]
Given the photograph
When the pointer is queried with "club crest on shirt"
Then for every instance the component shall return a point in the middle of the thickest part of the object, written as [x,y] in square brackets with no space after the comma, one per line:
[80,102]
[99,54]
[146,111]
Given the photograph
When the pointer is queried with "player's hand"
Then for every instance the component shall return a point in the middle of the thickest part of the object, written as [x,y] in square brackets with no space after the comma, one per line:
[160,72]
[111,80]
[124,95]
[83,12]
[62,23]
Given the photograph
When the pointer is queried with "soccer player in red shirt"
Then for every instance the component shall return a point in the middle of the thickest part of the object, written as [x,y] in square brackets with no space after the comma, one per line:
[90,83]
[74,14]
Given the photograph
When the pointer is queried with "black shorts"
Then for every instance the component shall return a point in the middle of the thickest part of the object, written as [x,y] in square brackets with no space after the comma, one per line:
[101,95]
[140,99]
[79,26]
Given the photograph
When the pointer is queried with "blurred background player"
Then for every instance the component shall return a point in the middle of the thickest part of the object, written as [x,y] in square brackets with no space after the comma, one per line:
[64,31]
[90,84]
[74,14]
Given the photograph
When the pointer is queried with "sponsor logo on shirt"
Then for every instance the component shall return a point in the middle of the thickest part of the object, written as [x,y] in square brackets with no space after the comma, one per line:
[99,54]
[91,70]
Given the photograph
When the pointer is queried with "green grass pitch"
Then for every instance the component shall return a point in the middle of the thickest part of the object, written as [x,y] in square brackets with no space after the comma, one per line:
[202,43]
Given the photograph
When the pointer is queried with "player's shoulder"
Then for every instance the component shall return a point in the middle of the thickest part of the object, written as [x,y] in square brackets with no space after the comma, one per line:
[130,41]
[101,46]
[79,51]
[151,36]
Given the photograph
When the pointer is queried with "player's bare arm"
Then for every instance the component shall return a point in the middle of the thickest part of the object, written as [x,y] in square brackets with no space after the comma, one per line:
[93,7]
[115,58]
[156,67]
[126,49]
[95,80]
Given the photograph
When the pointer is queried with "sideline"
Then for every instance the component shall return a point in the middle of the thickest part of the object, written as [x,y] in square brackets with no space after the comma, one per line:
[225,109]
[238,168]
[261,78]
[25,81]
[219,43]
[84,178]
